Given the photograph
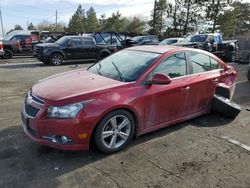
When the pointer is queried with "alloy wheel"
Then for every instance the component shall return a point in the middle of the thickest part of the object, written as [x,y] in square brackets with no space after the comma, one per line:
[116,131]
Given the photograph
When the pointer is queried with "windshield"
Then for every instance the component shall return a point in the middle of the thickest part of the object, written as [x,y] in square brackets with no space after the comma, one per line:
[62,40]
[138,38]
[168,41]
[125,65]
[196,38]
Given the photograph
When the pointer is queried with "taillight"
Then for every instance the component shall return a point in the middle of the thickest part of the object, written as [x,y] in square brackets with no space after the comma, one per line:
[18,45]
[1,46]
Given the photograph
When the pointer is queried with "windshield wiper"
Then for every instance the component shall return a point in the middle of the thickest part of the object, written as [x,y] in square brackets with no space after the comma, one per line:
[119,72]
[98,69]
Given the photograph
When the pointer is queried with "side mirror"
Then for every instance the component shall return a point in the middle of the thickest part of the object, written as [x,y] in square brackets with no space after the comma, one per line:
[160,79]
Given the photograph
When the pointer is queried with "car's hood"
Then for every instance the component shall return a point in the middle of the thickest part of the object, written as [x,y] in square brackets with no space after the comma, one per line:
[188,44]
[74,85]
[47,45]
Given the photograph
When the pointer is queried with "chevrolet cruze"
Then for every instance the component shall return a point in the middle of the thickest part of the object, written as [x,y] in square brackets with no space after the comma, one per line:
[132,92]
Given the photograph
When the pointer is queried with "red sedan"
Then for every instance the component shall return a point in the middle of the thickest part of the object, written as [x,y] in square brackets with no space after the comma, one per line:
[130,93]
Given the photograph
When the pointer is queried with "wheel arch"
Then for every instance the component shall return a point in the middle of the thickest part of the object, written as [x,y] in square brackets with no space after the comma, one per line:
[126,108]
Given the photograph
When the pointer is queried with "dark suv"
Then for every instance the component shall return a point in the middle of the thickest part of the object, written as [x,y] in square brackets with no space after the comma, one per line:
[146,40]
[71,48]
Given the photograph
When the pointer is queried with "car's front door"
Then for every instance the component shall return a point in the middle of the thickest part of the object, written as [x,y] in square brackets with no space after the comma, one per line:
[168,103]
[73,49]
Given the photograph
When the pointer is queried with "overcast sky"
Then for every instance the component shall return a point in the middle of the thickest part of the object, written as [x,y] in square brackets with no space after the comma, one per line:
[35,11]
[21,12]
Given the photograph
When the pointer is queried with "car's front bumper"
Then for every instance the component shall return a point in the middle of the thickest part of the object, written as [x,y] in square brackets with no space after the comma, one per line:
[40,128]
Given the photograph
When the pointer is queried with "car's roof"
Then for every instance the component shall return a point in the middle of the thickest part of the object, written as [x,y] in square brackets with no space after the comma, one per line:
[157,48]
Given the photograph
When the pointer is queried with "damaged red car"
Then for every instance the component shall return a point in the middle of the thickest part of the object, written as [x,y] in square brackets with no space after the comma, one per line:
[132,92]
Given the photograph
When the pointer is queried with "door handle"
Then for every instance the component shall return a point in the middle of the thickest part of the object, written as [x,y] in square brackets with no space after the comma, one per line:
[185,88]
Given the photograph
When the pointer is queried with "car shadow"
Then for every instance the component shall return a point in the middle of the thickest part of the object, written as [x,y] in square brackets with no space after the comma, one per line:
[23,157]
[22,65]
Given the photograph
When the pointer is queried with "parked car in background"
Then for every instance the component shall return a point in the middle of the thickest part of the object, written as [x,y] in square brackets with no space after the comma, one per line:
[248,72]
[1,48]
[131,92]
[19,42]
[227,50]
[170,41]
[146,40]
[71,48]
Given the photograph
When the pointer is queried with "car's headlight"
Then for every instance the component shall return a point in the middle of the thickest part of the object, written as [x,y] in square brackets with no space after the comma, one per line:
[68,111]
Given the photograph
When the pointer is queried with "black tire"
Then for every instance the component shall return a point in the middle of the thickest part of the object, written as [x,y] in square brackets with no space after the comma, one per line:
[8,54]
[225,107]
[100,142]
[56,59]
[248,74]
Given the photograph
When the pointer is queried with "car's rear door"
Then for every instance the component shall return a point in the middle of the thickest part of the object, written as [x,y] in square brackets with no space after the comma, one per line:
[168,103]
[206,74]
[90,49]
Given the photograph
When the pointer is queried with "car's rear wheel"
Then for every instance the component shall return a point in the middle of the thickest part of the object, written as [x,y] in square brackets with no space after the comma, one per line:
[225,106]
[8,54]
[114,131]
[56,59]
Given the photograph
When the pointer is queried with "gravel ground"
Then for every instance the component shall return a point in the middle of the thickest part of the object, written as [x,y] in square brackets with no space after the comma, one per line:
[197,153]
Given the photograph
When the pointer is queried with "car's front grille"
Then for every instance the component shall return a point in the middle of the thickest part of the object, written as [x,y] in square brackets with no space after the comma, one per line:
[27,126]
[30,110]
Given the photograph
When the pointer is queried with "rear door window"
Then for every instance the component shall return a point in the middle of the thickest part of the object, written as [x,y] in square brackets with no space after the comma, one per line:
[173,66]
[203,63]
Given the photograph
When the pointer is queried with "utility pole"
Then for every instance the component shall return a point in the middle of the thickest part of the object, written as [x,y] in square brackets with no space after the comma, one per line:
[56,18]
[1,21]
[27,25]
[154,15]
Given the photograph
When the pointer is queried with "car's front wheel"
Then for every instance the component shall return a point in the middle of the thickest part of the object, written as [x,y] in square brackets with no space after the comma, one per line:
[8,54]
[114,131]
[56,59]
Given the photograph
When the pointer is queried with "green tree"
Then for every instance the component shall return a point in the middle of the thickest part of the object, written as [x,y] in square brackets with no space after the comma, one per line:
[158,16]
[31,26]
[77,21]
[115,23]
[214,8]
[235,20]
[135,25]
[91,24]
[18,27]
[102,22]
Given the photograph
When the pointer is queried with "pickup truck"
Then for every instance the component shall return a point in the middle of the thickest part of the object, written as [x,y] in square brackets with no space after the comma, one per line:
[69,48]
[226,50]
